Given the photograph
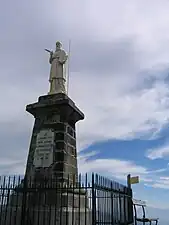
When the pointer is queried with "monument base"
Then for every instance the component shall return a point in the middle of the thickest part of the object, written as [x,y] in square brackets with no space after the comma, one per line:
[67,206]
[52,152]
[46,216]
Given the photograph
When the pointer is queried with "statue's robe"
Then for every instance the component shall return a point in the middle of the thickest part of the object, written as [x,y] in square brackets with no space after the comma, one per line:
[57,72]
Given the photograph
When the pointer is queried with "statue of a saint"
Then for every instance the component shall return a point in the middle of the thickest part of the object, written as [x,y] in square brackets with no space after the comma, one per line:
[57,77]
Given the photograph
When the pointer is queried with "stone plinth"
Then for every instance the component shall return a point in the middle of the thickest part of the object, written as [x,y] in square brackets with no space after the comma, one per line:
[53,144]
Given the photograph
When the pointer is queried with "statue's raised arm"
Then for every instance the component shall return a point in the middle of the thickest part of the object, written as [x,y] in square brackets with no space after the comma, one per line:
[57,72]
[50,59]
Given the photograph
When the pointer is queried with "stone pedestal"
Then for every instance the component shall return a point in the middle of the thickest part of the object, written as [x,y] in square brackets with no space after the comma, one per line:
[53,145]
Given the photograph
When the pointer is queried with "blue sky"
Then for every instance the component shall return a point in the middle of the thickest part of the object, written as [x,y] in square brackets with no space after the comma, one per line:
[119,77]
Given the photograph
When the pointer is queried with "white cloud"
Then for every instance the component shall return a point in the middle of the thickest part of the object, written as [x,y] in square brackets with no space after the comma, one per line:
[110,167]
[113,106]
[160,182]
[7,162]
[122,103]
[119,169]
[158,153]
[117,113]
[163,184]
[10,166]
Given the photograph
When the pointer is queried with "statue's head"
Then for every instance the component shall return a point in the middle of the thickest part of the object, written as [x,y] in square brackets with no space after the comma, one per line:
[58,45]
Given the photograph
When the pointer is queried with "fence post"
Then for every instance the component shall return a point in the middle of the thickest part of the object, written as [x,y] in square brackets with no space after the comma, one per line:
[112,204]
[23,210]
[130,202]
[93,201]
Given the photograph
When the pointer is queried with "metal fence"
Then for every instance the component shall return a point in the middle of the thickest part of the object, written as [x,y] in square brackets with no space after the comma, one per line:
[92,200]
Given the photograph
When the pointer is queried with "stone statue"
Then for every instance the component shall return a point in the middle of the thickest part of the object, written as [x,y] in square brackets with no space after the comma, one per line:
[57,77]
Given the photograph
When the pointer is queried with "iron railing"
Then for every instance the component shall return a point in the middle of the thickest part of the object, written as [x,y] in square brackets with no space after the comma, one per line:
[90,201]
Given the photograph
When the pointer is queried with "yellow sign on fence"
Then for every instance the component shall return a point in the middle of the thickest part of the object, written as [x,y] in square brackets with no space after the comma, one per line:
[134,180]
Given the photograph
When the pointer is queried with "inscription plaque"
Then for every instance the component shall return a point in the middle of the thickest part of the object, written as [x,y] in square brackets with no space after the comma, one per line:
[43,156]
